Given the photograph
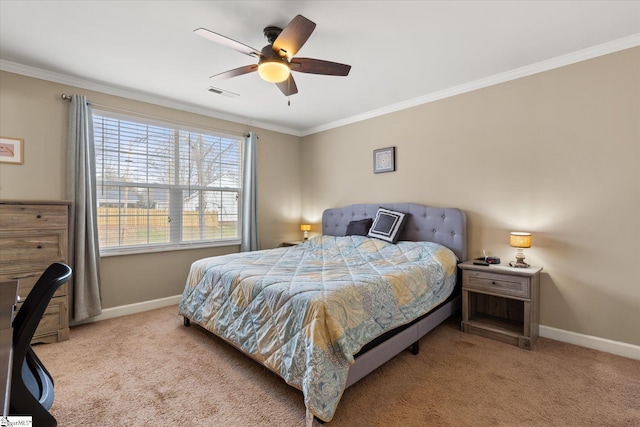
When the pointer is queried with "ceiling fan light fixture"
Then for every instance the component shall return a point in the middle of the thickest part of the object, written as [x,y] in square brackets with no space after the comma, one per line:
[274,71]
[275,59]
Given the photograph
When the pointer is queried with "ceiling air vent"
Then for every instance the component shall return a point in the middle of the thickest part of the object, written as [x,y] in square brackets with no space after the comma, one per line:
[222,92]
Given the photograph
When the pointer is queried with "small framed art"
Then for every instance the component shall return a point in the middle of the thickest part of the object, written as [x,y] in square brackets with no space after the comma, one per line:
[11,150]
[384,160]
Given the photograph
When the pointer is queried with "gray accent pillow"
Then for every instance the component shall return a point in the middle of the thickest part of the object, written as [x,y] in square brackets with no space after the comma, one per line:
[359,227]
[387,225]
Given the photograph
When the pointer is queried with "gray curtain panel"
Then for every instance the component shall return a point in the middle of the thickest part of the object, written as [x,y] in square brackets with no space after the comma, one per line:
[81,189]
[249,240]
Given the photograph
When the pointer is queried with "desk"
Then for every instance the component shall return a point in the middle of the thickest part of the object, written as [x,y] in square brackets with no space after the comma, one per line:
[8,295]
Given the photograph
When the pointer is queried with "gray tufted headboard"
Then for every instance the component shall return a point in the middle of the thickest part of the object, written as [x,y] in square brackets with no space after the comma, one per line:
[446,226]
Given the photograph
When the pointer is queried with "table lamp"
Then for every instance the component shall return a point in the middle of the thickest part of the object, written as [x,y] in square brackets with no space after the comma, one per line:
[306,228]
[520,240]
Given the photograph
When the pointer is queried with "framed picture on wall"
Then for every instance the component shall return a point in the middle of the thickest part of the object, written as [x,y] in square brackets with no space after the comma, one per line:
[11,150]
[384,160]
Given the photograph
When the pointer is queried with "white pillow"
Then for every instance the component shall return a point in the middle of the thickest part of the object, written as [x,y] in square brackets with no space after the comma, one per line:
[387,225]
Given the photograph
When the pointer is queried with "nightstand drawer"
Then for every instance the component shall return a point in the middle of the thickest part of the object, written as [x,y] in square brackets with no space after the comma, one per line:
[497,283]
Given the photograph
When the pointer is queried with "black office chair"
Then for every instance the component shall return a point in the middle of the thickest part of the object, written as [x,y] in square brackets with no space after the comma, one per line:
[31,383]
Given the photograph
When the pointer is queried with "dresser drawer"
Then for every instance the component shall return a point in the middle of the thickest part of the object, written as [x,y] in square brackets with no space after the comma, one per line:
[33,216]
[55,317]
[501,284]
[31,251]
[26,282]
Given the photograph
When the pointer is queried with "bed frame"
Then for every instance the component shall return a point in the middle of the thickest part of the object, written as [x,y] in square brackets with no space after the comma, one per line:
[447,226]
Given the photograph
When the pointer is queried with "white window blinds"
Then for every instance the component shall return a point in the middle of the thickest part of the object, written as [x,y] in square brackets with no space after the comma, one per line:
[159,185]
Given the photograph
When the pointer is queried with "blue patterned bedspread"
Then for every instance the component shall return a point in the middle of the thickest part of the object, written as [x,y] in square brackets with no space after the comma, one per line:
[304,311]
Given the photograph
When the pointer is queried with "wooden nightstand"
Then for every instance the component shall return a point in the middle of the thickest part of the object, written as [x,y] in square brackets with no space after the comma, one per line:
[501,302]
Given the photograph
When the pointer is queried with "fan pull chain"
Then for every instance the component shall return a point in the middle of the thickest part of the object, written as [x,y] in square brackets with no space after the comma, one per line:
[288,101]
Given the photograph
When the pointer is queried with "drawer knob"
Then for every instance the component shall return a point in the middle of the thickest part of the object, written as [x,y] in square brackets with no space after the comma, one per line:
[38,216]
[39,246]
[493,283]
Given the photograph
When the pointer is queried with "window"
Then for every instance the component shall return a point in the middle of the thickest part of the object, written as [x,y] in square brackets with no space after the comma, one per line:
[159,185]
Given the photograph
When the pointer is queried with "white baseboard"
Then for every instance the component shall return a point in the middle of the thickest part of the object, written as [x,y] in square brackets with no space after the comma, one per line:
[602,344]
[123,310]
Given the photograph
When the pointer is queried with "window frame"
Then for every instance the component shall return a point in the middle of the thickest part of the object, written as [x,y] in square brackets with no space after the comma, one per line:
[176,209]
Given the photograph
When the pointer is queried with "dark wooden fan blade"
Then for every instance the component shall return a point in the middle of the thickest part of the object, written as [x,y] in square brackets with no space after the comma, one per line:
[293,36]
[226,41]
[288,87]
[236,72]
[318,66]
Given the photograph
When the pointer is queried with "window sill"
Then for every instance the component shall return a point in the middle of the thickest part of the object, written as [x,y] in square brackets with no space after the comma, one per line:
[104,253]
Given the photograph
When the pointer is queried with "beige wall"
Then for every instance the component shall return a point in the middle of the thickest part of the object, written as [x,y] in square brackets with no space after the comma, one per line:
[556,153]
[32,109]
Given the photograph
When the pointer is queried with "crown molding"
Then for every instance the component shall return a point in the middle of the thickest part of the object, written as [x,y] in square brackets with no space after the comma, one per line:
[38,73]
[538,67]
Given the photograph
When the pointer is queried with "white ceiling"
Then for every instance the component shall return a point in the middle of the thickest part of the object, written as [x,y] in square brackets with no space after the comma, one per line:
[401,52]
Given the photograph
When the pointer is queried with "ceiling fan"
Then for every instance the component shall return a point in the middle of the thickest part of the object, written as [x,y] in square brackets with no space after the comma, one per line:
[276,60]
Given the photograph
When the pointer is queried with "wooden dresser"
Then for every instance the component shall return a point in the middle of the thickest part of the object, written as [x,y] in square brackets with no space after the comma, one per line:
[33,235]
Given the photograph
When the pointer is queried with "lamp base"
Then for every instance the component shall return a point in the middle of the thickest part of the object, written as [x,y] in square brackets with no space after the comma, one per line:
[519,262]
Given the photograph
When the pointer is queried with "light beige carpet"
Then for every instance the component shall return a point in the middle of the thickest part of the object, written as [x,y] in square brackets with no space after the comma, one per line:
[148,369]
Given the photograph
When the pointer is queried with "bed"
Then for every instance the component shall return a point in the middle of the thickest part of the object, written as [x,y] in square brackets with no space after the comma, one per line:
[325,313]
